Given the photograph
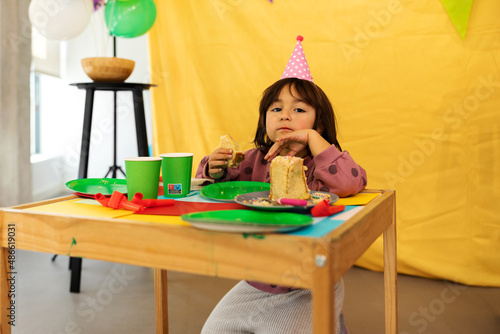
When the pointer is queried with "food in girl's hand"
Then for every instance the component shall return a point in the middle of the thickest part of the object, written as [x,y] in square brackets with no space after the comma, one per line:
[228,142]
[288,179]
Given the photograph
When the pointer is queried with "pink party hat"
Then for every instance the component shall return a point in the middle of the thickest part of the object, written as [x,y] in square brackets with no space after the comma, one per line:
[297,66]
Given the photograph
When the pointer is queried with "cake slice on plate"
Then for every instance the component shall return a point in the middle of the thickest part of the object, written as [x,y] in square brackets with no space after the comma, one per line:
[288,179]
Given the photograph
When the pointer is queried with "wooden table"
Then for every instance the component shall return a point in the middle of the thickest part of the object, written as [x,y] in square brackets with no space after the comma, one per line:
[309,263]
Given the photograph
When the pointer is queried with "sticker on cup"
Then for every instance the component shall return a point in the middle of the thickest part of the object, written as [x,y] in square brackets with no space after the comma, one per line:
[176,172]
[174,189]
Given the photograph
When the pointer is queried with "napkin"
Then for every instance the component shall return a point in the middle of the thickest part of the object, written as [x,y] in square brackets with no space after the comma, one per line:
[358,199]
[148,203]
[138,204]
[323,209]
[117,201]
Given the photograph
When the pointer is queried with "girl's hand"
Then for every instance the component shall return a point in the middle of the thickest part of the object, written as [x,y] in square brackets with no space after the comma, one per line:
[296,144]
[292,144]
[217,162]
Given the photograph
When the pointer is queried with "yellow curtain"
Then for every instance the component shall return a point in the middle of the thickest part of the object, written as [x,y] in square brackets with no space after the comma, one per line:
[417,106]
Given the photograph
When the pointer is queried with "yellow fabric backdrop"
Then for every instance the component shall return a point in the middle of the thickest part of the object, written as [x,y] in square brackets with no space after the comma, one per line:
[418,107]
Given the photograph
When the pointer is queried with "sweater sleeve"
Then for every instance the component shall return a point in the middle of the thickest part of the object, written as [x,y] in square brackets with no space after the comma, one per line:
[336,172]
[202,171]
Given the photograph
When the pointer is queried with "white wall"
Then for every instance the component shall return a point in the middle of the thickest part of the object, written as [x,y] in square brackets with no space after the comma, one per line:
[62,108]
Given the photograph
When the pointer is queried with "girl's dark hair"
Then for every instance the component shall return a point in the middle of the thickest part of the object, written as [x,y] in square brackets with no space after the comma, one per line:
[312,95]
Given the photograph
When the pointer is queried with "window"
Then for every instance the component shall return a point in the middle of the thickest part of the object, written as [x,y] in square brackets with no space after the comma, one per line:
[46,59]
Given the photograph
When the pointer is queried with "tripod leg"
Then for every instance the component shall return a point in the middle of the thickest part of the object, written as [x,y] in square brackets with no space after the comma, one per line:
[111,170]
[121,170]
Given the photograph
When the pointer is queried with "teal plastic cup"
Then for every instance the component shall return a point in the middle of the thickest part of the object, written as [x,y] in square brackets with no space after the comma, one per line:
[143,176]
[176,171]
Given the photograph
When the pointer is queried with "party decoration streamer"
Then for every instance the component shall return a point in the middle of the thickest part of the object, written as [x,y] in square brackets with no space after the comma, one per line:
[459,12]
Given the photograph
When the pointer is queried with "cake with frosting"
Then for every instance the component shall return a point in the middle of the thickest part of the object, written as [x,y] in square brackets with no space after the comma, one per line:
[288,179]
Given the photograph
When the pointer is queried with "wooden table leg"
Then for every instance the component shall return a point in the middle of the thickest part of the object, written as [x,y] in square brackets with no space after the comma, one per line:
[5,313]
[161,301]
[390,278]
[323,303]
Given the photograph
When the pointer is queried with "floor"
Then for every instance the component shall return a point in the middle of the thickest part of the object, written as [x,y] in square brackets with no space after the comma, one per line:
[119,299]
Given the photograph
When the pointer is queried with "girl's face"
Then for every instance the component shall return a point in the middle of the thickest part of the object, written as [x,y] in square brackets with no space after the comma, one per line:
[288,113]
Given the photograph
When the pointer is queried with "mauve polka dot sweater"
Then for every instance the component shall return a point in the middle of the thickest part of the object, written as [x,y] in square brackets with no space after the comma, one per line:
[331,170]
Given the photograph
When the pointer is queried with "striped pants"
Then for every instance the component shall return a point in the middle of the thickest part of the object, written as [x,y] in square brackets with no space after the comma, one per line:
[247,310]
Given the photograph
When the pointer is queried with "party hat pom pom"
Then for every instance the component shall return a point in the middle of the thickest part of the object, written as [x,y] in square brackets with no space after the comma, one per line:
[297,66]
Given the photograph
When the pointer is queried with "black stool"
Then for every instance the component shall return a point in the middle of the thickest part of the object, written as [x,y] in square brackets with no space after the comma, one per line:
[140,121]
[75,264]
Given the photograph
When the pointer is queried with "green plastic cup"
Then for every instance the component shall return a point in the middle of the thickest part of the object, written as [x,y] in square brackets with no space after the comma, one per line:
[143,176]
[176,170]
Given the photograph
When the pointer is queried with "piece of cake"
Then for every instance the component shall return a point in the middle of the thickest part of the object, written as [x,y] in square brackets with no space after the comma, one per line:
[288,179]
[228,142]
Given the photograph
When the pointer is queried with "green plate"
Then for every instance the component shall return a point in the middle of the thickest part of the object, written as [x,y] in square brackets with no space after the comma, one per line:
[227,191]
[95,186]
[247,221]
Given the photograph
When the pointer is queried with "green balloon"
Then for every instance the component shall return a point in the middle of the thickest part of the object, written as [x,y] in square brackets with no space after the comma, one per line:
[129,18]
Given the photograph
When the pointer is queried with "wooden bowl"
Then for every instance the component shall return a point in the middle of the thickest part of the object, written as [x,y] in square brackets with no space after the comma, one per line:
[108,69]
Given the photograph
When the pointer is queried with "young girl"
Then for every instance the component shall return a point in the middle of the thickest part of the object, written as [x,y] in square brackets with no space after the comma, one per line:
[295,118]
